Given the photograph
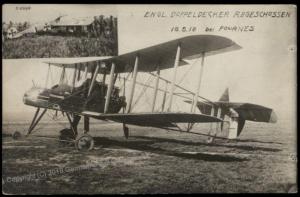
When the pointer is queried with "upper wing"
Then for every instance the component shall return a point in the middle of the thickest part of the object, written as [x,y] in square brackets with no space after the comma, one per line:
[70,62]
[164,54]
[154,119]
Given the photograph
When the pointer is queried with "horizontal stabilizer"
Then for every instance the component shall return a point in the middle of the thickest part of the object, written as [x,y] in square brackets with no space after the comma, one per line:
[246,111]
[257,113]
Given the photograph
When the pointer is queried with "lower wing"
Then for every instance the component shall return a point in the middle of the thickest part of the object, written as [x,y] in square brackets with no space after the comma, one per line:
[163,119]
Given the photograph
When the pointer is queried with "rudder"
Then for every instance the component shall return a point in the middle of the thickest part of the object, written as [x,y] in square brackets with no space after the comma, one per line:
[225,96]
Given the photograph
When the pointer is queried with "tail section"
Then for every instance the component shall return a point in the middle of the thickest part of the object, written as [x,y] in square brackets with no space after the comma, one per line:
[235,123]
[234,114]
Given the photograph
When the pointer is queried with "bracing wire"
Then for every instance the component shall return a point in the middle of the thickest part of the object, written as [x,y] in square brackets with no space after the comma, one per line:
[143,91]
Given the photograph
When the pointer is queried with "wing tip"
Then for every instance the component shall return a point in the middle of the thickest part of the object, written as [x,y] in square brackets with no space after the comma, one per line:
[273,117]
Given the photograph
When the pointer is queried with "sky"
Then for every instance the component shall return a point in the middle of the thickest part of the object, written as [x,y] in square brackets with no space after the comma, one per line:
[262,72]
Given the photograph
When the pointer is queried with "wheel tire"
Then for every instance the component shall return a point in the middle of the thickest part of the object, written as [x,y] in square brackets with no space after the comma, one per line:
[67,137]
[16,135]
[84,142]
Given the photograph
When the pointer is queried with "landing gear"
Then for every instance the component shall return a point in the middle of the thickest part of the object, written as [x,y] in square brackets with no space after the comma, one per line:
[84,143]
[86,124]
[66,136]
[69,136]
[37,117]
[35,121]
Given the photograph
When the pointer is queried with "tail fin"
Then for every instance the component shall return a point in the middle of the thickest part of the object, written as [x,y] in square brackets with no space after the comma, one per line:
[225,96]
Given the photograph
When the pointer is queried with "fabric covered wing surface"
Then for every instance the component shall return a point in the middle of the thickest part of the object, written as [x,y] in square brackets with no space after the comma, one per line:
[158,119]
[162,54]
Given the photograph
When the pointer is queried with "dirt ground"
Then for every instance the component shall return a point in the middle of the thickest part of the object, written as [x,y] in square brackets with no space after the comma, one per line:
[152,160]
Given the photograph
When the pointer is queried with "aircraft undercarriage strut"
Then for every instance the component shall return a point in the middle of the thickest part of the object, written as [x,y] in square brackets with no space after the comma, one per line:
[74,123]
[83,141]
[35,121]
[86,124]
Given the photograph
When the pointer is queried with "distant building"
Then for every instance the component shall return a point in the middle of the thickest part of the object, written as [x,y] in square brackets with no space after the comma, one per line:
[93,26]
[71,25]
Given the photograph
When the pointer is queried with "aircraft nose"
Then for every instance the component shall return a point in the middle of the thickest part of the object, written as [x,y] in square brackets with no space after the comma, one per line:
[31,95]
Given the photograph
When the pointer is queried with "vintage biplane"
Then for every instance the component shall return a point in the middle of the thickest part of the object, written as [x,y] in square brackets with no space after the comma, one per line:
[89,95]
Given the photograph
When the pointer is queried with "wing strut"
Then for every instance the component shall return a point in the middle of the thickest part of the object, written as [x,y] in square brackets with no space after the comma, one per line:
[212,113]
[86,71]
[186,90]
[104,74]
[62,76]
[164,97]
[110,86]
[135,70]
[174,75]
[74,77]
[156,88]
[195,99]
[94,79]
[79,72]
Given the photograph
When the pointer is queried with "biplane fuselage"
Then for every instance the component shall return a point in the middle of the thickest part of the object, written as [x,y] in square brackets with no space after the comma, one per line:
[63,99]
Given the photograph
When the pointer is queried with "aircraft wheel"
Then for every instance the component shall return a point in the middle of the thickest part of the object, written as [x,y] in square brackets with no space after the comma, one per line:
[66,137]
[16,135]
[84,143]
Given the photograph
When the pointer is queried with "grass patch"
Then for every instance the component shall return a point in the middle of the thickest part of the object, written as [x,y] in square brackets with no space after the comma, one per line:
[43,46]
